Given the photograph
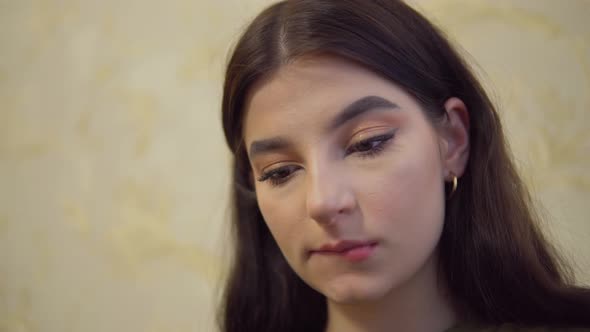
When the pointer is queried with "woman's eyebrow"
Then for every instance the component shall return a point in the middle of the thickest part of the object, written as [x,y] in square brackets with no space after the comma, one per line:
[359,107]
[355,109]
[267,145]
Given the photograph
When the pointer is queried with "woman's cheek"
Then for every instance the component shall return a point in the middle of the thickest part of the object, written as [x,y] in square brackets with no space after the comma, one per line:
[405,184]
[280,218]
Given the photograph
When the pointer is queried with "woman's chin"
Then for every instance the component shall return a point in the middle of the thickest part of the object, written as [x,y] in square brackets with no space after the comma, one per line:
[353,291]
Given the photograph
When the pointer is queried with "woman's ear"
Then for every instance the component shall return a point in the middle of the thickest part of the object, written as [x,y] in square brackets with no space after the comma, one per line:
[454,138]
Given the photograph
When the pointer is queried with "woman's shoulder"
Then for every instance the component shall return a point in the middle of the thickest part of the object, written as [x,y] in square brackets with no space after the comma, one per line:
[513,328]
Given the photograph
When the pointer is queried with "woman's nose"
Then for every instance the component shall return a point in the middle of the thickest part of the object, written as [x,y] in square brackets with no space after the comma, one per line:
[329,196]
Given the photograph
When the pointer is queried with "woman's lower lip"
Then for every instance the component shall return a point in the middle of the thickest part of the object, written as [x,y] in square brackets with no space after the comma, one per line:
[355,254]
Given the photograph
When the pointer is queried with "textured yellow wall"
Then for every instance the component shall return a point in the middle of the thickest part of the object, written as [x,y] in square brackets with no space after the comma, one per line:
[113,170]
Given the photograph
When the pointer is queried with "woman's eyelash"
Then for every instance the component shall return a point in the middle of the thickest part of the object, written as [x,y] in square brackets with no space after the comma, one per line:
[370,147]
[278,175]
[366,148]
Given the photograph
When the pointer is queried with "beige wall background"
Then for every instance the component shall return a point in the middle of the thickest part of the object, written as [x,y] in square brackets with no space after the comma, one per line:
[114,172]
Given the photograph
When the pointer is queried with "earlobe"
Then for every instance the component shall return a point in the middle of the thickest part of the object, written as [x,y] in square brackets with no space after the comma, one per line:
[455,137]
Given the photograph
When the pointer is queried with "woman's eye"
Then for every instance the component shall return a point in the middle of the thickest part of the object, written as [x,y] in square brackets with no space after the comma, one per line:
[278,175]
[371,146]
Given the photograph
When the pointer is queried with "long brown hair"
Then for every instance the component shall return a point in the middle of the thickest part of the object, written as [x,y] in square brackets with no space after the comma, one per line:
[498,266]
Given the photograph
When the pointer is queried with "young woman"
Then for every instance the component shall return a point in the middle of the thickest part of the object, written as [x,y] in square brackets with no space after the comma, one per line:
[373,190]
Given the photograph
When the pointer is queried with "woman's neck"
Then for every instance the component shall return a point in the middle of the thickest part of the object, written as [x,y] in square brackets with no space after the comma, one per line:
[420,305]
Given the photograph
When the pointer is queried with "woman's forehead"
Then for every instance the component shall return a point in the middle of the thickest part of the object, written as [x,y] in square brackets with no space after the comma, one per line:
[312,90]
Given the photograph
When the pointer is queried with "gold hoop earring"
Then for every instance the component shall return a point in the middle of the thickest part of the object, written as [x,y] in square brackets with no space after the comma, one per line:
[455,183]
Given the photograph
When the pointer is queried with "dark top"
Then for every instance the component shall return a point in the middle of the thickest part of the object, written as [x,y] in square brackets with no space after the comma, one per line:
[511,328]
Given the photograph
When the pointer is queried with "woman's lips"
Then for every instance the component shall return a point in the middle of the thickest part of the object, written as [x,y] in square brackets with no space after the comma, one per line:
[353,251]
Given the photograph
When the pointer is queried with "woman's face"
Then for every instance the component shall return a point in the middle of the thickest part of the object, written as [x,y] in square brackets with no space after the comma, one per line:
[349,176]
